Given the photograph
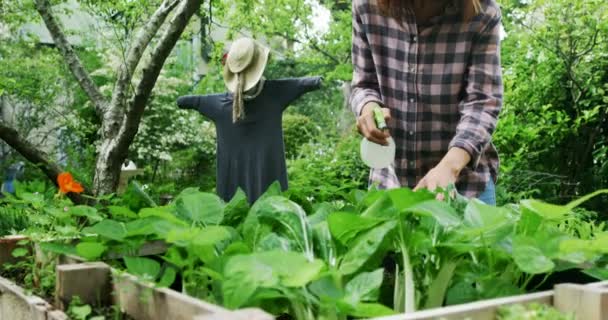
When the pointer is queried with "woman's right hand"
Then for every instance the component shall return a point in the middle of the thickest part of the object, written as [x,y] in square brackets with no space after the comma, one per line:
[367,125]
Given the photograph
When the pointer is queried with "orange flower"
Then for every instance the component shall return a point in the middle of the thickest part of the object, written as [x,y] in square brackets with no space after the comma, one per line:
[67,184]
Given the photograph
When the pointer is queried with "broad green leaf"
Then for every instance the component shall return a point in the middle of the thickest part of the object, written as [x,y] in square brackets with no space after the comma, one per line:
[498,287]
[110,229]
[528,223]
[163,213]
[20,252]
[346,226]
[321,214]
[286,218]
[555,212]
[212,235]
[327,289]
[484,224]
[90,250]
[478,214]
[584,199]
[58,248]
[273,241]
[383,208]
[142,267]
[81,312]
[546,210]
[85,211]
[598,273]
[274,190]
[461,292]
[236,248]
[445,215]
[364,287]
[167,278]
[236,210]
[162,227]
[579,251]
[122,212]
[198,207]
[364,247]
[175,257]
[237,292]
[403,199]
[244,274]
[143,226]
[529,257]
[371,310]
[182,237]
[369,198]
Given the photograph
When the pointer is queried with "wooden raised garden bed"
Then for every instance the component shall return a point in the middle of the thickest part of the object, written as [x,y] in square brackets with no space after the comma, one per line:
[96,282]
[16,304]
[586,302]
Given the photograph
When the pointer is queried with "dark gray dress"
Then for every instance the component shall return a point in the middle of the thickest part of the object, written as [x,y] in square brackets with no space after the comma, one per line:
[250,153]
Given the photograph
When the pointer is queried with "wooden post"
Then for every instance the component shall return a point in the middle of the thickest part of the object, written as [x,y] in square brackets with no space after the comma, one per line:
[7,245]
[91,282]
[586,302]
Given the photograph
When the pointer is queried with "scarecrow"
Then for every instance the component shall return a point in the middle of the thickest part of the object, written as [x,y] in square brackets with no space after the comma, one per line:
[248,121]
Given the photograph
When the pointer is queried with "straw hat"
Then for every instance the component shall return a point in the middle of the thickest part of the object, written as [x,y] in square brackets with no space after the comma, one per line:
[248,59]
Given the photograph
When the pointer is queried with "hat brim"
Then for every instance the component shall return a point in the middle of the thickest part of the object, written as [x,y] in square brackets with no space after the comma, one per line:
[252,74]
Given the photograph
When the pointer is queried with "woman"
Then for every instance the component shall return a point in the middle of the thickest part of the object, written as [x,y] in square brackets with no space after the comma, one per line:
[434,68]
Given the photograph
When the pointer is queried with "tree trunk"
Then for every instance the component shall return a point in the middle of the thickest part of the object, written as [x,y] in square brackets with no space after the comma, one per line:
[120,128]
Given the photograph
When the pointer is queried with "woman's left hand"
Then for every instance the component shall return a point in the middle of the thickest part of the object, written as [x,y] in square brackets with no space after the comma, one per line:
[446,172]
[439,177]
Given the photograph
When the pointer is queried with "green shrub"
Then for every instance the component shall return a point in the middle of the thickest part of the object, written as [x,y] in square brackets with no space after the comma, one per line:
[328,170]
[298,130]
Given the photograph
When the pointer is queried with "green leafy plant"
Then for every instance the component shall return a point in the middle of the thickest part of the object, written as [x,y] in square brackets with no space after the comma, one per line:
[533,311]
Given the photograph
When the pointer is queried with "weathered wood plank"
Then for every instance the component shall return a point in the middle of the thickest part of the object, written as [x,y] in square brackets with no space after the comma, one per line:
[90,281]
[481,310]
[7,245]
[144,302]
[586,302]
[243,314]
[15,304]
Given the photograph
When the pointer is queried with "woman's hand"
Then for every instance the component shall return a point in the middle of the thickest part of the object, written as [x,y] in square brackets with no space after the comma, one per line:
[439,177]
[446,172]
[367,125]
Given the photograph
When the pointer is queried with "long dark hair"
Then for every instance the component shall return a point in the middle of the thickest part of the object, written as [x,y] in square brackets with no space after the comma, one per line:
[398,8]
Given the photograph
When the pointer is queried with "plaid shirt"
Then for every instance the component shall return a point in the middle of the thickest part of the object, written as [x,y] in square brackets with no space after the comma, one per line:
[442,83]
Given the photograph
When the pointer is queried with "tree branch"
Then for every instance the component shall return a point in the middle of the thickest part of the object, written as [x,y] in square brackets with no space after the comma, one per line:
[38,157]
[71,58]
[151,72]
[312,44]
[142,41]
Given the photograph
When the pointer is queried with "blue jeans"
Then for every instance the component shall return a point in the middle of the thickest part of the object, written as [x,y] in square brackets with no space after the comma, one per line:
[489,195]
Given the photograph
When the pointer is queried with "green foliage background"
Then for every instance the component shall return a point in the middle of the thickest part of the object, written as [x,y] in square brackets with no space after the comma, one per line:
[552,135]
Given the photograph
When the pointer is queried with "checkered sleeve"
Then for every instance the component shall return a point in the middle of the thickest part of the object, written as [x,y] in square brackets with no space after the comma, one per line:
[365,87]
[484,91]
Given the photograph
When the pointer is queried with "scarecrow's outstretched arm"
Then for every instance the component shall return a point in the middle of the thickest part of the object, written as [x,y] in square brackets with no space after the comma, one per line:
[202,104]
